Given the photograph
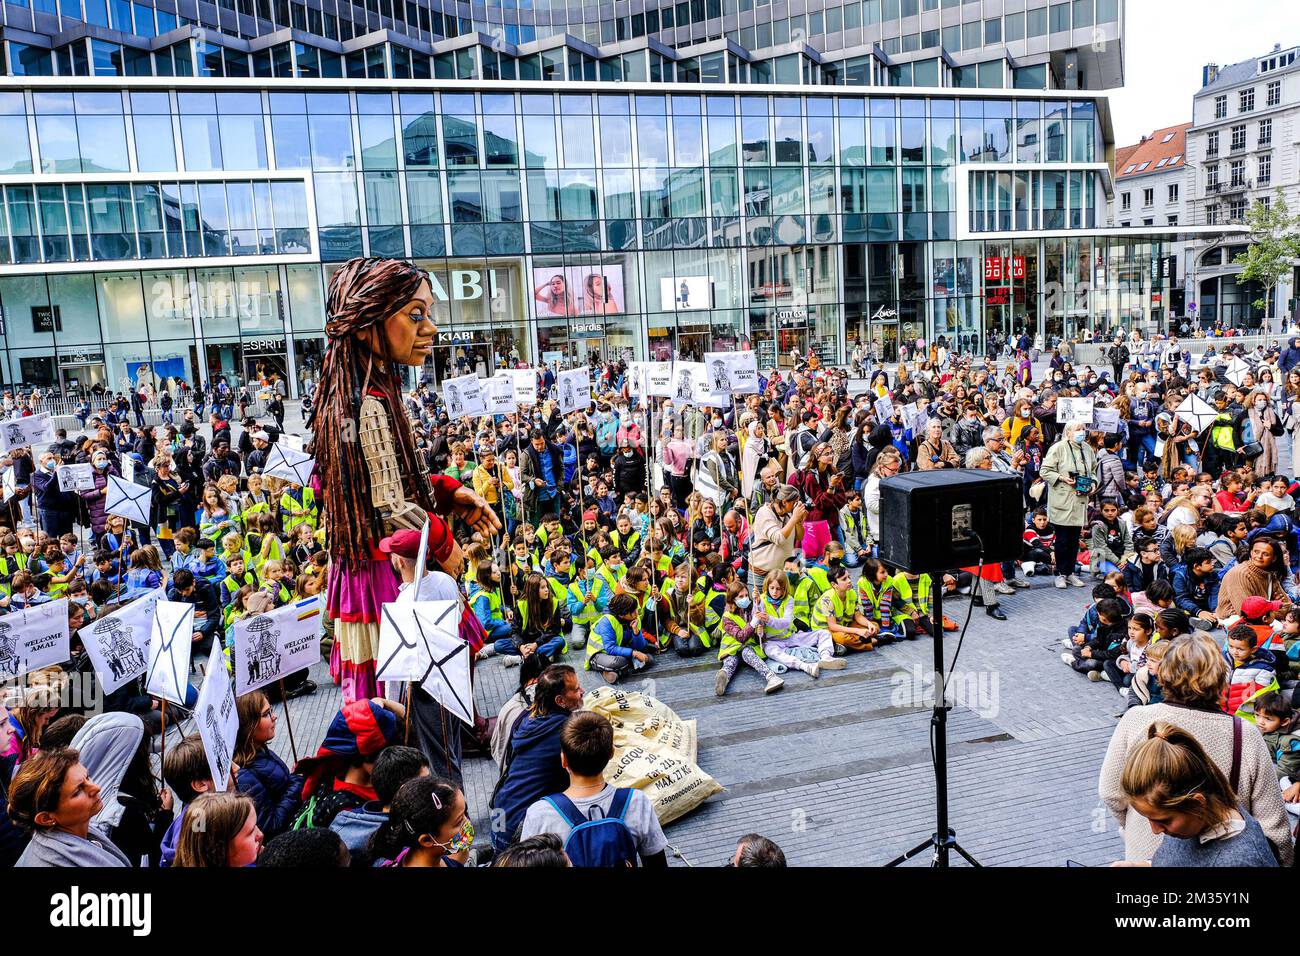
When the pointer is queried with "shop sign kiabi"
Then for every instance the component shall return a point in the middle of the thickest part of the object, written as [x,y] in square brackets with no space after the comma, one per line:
[466,285]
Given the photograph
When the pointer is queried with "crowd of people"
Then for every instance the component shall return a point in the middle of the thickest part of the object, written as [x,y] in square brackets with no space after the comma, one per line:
[642,527]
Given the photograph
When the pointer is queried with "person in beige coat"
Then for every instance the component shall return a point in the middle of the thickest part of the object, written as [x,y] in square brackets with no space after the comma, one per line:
[1194,676]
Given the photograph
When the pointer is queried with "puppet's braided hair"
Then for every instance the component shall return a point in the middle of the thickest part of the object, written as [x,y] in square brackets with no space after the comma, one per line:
[362,294]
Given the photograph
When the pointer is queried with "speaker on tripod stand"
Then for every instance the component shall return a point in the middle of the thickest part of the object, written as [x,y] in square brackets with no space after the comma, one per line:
[932,522]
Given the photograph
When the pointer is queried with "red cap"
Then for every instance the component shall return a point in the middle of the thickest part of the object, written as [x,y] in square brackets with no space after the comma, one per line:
[405,543]
[1257,607]
[589,515]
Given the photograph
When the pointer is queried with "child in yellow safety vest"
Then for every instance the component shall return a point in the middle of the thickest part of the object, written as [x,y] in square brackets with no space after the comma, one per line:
[588,597]
[614,645]
[688,614]
[541,629]
[880,602]
[739,641]
[297,507]
[273,582]
[837,610]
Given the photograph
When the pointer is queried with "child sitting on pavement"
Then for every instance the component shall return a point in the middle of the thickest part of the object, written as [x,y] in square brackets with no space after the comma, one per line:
[1145,688]
[1090,654]
[1279,722]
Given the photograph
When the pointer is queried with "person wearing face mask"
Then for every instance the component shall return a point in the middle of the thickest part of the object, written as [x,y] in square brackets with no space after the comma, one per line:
[96,497]
[629,469]
[1070,471]
[426,826]
[1265,428]
[58,509]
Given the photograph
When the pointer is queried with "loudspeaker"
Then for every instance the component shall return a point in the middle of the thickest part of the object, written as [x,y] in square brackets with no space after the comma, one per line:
[938,520]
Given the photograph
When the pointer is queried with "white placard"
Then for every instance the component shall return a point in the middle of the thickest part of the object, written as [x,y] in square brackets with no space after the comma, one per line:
[1071,411]
[217,717]
[170,642]
[128,468]
[464,397]
[118,643]
[659,379]
[34,638]
[9,483]
[76,477]
[420,642]
[127,500]
[1197,412]
[25,432]
[574,390]
[1106,420]
[294,442]
[1236,371]
[916,419]
[524,382]
[884,409]
[742,369]
[500,392]
[284,462]
[273,645]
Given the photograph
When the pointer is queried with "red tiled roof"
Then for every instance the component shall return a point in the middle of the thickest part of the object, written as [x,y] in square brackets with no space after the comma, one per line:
[1129,160]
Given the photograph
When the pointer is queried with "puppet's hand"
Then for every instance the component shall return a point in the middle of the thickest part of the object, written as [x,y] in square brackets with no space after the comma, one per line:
[475,512]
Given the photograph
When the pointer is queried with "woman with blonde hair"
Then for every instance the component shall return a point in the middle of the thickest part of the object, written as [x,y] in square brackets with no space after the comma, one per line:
[1170,780]
[1194,679]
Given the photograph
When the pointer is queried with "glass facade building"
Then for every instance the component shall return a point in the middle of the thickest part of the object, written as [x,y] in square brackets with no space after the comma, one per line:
[568,194]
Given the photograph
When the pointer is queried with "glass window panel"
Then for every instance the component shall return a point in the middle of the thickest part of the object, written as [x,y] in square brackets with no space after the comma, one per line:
[578,139]
[463,190]
[289,205]
[688,141]
[56,137]
[652,139]
[378,141]
[539,140]
[201,141]
[787,192]
[420,139]
[460,139]
[292,142]
[243,142]
[155,147]
[500,136]
[15,149]
[722,138]
[424,196]
[121,306]
[620,197]
[615,140]
[336,200]
[383,199]
[331,142]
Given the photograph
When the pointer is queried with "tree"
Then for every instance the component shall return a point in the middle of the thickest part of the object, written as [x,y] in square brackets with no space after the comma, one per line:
[1274,246]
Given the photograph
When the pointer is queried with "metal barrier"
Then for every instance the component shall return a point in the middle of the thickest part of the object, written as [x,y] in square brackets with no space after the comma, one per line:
[1091,354]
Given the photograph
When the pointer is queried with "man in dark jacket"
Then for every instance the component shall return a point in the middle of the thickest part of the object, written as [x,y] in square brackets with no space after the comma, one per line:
[1290,357]
[58,509]
[222,462]
[531,768]
[542,474]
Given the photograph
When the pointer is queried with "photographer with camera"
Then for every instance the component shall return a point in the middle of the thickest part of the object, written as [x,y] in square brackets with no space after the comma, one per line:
[1070,470]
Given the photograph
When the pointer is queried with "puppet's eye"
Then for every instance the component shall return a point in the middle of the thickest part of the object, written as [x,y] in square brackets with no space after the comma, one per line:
[417,316]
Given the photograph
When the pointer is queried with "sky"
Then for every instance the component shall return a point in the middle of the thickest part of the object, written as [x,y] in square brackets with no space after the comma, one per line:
[1168,43]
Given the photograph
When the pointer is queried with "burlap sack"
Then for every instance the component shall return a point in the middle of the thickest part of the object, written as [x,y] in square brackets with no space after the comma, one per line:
[654,751]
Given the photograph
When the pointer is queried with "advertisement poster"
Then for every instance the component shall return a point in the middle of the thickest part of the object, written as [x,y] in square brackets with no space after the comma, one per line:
[579,290]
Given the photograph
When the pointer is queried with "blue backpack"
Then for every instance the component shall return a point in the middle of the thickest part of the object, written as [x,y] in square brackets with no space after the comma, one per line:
[606,842]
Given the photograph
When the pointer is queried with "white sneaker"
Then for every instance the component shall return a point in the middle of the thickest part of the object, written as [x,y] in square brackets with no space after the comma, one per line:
[1019,583]
[486,651]
[812,670]
[1096,676]
[1060,582]
[720,683]
[1003,588]
[510,660]
[774,684]
[1123,692]
[1076,581]
[1067,658]
[832,664]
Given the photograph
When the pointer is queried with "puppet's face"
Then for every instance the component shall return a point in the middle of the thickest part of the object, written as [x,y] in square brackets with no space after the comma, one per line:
[406,337]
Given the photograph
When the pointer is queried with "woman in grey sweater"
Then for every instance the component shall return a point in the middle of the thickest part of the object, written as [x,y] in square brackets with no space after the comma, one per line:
[54,798]
[1193,676]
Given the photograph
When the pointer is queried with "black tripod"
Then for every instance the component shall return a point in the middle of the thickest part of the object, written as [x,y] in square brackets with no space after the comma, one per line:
[944,838]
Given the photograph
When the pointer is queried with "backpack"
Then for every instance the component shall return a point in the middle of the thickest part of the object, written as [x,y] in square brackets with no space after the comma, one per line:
[606,842]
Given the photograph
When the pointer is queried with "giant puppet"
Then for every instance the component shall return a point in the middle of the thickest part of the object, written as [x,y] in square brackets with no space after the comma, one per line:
[379,318]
